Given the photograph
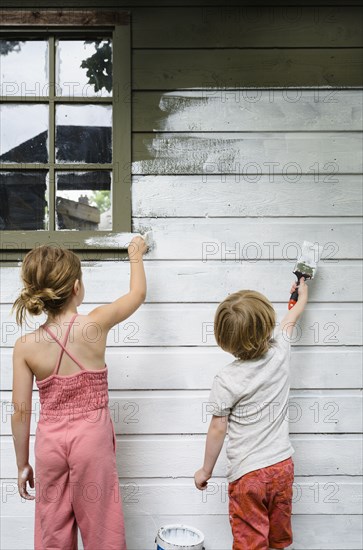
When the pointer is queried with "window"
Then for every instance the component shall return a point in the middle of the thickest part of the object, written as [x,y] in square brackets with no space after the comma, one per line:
[65,129]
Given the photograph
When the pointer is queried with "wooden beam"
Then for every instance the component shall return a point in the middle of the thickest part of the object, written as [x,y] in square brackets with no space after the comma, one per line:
[175,3]
[59,17]
[247,26]
[177,69]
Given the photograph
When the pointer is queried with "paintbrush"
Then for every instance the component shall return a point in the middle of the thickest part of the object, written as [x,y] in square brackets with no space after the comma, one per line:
[305,266]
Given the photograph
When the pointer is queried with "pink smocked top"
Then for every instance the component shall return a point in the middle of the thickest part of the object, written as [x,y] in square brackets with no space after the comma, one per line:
[79,392]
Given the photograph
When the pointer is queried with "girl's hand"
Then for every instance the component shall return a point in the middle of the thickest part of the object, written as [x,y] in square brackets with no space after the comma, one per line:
[137,247]
[25,474]
[200,479]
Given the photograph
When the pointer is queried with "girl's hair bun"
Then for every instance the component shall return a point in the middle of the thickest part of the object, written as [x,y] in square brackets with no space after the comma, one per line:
[32,303]
[35,301]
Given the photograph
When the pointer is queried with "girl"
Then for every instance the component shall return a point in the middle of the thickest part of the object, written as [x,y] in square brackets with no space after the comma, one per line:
[77,483]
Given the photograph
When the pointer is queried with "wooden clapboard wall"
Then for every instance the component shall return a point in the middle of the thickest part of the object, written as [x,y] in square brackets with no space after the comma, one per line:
[246,140]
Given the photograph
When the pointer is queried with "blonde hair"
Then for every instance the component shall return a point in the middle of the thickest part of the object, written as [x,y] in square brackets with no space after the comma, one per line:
[243,324]
[48,274]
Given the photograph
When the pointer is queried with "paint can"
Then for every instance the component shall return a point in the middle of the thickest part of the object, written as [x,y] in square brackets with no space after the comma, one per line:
[179,537]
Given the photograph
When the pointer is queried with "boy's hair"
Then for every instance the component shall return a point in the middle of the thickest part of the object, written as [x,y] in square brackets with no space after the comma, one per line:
[48,274]
[243,324]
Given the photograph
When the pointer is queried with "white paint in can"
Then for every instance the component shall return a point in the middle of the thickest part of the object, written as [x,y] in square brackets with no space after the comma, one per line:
[179,537]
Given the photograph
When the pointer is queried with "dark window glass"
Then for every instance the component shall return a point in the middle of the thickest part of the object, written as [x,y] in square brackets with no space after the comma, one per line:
[24,200]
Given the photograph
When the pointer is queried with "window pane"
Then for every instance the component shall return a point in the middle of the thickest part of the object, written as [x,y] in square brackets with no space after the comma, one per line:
[84,67]
[83,200]
[23,133]
[24,67]
[24,200]
[83,133]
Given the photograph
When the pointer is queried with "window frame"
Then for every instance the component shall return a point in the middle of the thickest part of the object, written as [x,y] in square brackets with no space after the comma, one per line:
[78,23]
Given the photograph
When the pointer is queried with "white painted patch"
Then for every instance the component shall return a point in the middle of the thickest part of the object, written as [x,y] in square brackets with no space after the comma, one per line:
[255,153]
[261,110]
[121,240]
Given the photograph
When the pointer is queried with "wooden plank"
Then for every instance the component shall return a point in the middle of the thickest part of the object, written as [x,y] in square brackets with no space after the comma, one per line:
[252,154]
[313,495]
[168,3]
[181,412]
[192,325]
[79,241]
[196,281]
[139,456]
[56,17]
[248,67]
[233,196]
[194,368]
[249,240]
[236,239]
[248,110]
[319,532]
[242,26]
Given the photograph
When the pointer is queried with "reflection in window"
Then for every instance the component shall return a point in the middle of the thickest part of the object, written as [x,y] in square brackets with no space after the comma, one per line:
[23,133]
[83,133]
[23,200]
[83,200]
[24,68]
[84,68]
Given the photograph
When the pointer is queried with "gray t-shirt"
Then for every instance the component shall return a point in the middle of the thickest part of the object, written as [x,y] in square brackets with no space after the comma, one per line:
[254,395]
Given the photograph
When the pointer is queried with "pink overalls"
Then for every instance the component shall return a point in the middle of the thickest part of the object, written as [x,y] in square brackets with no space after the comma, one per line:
[76,479]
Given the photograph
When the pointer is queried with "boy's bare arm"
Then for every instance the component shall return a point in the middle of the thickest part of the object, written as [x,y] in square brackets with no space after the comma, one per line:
[215,438]
[288,322]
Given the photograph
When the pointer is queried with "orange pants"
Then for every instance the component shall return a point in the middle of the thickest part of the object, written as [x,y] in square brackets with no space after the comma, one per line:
[260,505]
[76,483]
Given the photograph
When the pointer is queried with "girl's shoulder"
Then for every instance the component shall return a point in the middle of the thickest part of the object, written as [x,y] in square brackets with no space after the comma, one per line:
[27,338]
[24,347]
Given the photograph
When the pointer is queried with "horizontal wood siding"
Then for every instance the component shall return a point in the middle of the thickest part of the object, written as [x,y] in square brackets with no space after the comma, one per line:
[257,26]
[184,368]
[183,69]
[192,325]
[242,197]
[247,140]
[315,532]
[213,277]
[310,411]
[138,456]
[248,110]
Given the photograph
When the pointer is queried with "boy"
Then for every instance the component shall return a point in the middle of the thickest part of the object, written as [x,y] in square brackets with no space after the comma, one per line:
[252,392]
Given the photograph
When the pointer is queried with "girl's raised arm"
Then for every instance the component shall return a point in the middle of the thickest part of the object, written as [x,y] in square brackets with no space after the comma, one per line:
[20,419]
[109,315]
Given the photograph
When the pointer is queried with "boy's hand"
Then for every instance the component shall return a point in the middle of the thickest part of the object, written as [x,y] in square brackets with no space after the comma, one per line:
[303,290]
[25,474]
[137,247]
[200,479]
